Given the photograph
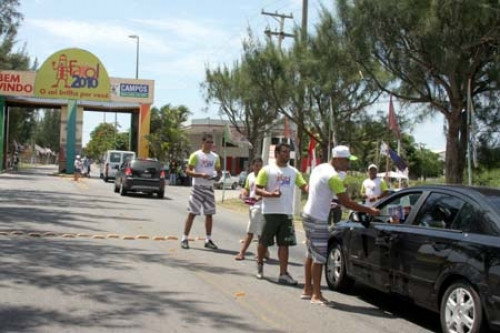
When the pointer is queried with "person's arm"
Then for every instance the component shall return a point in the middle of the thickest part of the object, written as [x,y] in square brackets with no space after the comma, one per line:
[190,171]
[348,203]
[384,189]
[245,190]
[301,183]
[338,188]
[261,182]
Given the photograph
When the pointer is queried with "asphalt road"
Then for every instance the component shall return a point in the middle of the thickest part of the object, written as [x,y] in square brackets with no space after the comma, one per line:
[77,257]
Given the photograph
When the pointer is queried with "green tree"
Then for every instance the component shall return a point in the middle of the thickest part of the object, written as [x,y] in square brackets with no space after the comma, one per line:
[48,129]
[239,97]
[102,138]
[167,140]
[432,49]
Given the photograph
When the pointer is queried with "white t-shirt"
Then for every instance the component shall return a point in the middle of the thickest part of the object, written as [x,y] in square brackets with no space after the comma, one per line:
[274,177]
[373,187]
[204,163]
[251,188]
[324,184]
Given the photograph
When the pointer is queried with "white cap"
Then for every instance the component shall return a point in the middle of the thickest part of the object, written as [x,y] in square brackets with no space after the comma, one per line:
[372,166]
[77,156]
[343,152]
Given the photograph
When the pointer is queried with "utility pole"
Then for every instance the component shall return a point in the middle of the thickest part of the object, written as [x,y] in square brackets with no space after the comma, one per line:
[281,34]
[266,142]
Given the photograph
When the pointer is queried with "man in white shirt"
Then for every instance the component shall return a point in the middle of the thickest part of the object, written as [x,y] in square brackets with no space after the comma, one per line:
[276,184]
[324,183]
[202,166]
[373,187]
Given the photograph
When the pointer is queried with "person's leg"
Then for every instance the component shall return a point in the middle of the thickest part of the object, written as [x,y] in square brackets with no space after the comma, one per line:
[244,247]
[308,289]
[283,257]
[188,224]
[317,269]
[208,225]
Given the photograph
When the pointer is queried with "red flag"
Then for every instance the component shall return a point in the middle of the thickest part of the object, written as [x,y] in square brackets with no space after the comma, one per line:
[286,131]
[312,153]
[393,122]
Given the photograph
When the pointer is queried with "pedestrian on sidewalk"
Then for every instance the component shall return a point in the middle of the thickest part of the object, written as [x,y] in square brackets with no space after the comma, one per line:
[276,184]
[203,167]
[325,182]
[78,164]
[249,196]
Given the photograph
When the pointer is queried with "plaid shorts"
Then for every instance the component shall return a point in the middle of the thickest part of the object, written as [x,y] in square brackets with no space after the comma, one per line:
[317,235]
[202,199]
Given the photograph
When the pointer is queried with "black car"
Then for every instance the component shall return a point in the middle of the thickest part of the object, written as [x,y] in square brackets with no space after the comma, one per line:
[438,246]
[141,175]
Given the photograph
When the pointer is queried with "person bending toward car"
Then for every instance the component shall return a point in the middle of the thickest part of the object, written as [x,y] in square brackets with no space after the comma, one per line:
[248,194]
[325,182]
[276,184]
[202,166]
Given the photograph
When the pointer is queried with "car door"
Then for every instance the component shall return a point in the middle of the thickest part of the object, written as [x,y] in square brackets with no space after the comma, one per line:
[421,248]
[371,248]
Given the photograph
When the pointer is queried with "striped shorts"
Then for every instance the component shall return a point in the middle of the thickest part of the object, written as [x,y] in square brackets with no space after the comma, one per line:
[317,235]
[202,200]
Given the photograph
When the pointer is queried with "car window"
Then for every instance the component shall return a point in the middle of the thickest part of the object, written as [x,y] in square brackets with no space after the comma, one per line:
[145,165]
[127,156]
[399,208]
[439,211]
[115,157]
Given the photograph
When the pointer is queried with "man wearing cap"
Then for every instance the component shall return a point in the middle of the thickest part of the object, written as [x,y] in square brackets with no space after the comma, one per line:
[326,180]
[373,187]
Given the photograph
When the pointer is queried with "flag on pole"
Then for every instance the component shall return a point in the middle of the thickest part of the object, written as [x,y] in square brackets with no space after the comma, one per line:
[385,150]
[312,153]
[393,122]
[286,131]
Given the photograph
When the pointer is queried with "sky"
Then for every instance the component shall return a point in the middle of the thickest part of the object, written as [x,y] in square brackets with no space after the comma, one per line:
[178,40]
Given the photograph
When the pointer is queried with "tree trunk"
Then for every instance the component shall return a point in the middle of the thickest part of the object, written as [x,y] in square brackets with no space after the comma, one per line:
[456,143]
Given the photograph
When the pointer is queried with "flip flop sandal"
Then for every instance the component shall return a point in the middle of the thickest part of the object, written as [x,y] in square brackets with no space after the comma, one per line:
[305,296]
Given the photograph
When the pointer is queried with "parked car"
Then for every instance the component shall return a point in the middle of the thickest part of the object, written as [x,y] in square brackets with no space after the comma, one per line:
[111,162]
[439,246]
[141,175]
[227,181]
[242,178]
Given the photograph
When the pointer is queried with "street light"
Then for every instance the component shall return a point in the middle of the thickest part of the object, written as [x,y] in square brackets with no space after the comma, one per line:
[137,55]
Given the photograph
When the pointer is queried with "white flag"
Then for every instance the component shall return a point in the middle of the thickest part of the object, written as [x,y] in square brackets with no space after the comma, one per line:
[384,149]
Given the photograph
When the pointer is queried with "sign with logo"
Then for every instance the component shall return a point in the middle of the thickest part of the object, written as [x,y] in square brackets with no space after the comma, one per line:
[132,91]
[17,83]
[73,74]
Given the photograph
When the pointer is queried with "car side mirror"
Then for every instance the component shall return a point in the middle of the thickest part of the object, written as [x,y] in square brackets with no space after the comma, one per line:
[360,217]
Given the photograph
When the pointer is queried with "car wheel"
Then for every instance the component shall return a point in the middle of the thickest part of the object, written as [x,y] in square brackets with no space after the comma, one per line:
[101,175]
[161,194]
[461,309]
[335,270]
[234,186]
[117,189]
[123,191]
[105,179]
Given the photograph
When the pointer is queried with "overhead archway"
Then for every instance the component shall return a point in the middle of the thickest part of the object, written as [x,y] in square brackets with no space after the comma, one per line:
[75,80]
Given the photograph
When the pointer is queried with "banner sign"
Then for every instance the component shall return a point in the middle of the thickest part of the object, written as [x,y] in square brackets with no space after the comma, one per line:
[132,91]
[73,74]
[17,83]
